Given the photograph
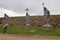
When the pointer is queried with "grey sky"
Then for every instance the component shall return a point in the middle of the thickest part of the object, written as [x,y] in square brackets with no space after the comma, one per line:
[35,6]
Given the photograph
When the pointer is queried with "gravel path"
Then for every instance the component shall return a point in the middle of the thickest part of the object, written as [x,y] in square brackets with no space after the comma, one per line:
[15,37]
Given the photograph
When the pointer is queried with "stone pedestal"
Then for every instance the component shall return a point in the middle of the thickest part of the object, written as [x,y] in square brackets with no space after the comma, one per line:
[46,27]
[27,24]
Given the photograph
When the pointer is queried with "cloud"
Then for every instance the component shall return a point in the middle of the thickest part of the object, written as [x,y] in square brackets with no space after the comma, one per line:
[10,13]
[35,6]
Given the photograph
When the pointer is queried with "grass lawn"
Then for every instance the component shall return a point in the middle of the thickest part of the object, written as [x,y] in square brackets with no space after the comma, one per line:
[20,30]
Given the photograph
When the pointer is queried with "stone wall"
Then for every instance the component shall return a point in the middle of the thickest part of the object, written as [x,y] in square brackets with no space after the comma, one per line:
[34,20]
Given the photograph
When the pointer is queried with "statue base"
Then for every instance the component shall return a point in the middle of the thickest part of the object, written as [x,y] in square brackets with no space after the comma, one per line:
[27,24]
[46,27]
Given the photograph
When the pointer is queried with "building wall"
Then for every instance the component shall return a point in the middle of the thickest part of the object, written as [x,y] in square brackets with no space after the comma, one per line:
[34,20]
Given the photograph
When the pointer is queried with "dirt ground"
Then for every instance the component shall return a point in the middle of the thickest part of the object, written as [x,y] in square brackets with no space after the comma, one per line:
[15,37]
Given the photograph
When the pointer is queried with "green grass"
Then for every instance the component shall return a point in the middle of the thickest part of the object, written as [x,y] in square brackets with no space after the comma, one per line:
[31,31]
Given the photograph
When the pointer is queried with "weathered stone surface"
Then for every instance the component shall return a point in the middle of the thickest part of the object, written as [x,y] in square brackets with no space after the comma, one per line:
[34,20]
[47,27]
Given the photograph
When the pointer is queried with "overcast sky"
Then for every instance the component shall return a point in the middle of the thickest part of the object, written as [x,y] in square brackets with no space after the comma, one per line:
[17,7]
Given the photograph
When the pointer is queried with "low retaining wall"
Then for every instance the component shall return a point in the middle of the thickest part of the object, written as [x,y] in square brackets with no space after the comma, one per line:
[34,20]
